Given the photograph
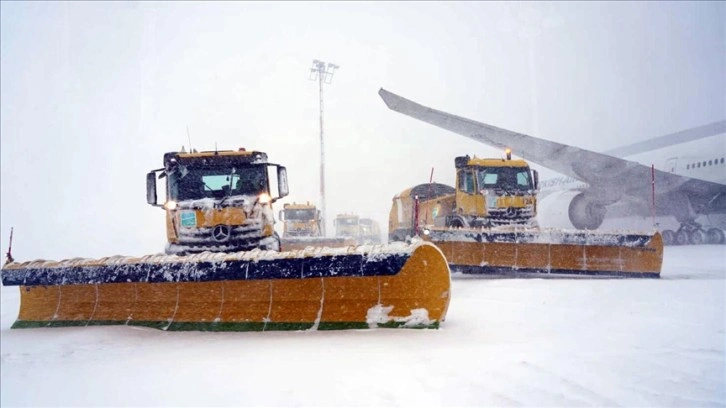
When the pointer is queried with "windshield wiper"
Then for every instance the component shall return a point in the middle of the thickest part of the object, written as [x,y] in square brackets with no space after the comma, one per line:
[224,199]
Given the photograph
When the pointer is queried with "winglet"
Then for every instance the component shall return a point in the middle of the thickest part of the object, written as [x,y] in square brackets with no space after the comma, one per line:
[387,97]
[395,102]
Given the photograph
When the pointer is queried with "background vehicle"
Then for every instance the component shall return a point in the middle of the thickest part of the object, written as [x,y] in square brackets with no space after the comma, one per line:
[302,229]
[489,192]
[370,231]
[347,226]
[300,220]
[487,224]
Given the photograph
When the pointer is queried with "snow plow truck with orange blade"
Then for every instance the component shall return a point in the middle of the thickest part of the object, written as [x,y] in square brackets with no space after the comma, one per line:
[302,228]
[223,269]
[487,225]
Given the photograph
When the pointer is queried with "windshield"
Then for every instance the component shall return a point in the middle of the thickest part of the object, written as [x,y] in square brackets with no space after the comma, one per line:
[299,215]
[347,221]
[192,183]
[512,179]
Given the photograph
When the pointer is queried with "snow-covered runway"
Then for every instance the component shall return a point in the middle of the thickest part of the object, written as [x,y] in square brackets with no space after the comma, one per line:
[563,342]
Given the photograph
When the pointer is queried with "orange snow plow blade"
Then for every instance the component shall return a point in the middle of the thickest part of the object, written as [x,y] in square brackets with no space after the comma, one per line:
[344,288]
[556,252]
[298,243]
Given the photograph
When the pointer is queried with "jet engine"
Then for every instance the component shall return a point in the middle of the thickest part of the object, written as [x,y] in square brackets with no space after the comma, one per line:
[586,213]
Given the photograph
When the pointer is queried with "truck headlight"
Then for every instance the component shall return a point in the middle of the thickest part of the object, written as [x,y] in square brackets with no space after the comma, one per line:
[264,198]
[170,205]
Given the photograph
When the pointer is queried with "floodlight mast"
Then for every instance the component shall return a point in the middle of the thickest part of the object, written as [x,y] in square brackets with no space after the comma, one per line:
[324,74]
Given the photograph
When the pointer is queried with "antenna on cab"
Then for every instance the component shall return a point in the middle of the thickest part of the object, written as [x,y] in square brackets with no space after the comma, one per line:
[189,137]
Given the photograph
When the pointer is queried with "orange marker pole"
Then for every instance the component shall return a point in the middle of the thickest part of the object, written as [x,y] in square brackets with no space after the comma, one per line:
[10,247]
[652,177]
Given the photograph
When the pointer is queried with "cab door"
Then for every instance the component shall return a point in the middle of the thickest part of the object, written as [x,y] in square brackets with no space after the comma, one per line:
[468,200]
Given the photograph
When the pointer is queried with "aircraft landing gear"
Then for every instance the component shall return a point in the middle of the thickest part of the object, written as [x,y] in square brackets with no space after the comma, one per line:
[669,237]
[715,236]
[693,234]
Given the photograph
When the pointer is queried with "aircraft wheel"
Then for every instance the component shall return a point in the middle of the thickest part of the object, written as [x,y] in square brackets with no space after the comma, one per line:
[714,236]
[669,237]
[682,237]
[697,237]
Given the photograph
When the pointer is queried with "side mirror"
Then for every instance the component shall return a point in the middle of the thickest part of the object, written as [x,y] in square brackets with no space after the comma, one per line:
[151,189]
[279,216]
[535,175]
[282,187]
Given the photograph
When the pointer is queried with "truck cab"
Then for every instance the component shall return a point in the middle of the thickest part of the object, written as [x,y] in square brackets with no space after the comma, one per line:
[370,232]
[300,220]
[493,192]
[347,226]
[218,201]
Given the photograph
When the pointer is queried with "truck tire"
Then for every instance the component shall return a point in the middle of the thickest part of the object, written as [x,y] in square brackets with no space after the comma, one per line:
[456,223]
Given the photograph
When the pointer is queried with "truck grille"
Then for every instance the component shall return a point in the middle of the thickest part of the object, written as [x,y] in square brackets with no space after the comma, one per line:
[221,237]
[511,215]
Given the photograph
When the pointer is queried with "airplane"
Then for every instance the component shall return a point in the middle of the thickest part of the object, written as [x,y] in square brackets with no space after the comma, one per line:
[689,184]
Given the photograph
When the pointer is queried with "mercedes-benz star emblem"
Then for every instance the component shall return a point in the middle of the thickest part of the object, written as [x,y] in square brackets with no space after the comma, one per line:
[221,233]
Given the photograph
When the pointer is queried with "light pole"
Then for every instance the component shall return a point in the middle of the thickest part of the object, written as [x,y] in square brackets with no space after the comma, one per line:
[324,74]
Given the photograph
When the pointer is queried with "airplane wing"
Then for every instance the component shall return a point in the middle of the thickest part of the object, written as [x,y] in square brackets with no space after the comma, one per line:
[606,175]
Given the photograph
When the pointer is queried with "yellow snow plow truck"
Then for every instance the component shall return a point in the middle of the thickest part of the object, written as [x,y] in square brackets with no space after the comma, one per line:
[347,226]
[223,270]
[300,220]
[487,225]
[360,230]
[489,192]
[301,228]
[370,232]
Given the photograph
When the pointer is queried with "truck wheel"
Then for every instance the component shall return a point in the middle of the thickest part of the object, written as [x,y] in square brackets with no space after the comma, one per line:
[457,223]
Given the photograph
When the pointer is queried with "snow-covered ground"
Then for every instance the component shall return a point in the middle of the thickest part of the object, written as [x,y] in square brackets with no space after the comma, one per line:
[506,342]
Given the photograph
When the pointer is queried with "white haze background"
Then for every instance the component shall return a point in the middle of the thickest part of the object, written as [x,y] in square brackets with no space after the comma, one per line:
[92,94]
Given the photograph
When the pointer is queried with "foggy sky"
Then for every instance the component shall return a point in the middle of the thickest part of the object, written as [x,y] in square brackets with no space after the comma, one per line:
[92,94]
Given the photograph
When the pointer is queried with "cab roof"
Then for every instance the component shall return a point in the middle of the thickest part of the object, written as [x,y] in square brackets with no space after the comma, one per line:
[466,161]
[347,216]
[426,191]
[223,156]
[497,163]
[296,206]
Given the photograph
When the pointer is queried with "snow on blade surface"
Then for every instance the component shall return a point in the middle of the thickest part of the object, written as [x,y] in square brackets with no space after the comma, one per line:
[379,314]
[371,251]
[542,236]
